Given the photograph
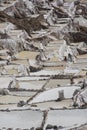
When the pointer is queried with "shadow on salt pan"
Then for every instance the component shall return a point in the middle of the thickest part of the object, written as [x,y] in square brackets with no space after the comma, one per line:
[53,94]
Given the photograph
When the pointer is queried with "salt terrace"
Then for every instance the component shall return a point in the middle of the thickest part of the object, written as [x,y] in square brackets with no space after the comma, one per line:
[43,65]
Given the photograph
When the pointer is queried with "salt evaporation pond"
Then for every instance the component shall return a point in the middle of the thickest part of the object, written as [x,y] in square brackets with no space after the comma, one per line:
[31,78]
[45,73]
[66,118]
[23,93]
[32,85]
[53,94]
[4,82]
[54,104]
[21,119]
[8,99]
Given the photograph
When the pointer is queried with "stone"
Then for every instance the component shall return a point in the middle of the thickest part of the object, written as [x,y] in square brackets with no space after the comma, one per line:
[10,129]
[49,126]
[4,91]
[21,103]
[32,128]
[39,128]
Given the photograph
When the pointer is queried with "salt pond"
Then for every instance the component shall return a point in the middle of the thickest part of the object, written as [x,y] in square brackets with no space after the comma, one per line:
[21,119]
[66,118]
[53,94]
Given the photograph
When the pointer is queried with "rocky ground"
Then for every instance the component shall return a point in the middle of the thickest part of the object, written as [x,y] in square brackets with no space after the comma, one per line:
[43,65]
